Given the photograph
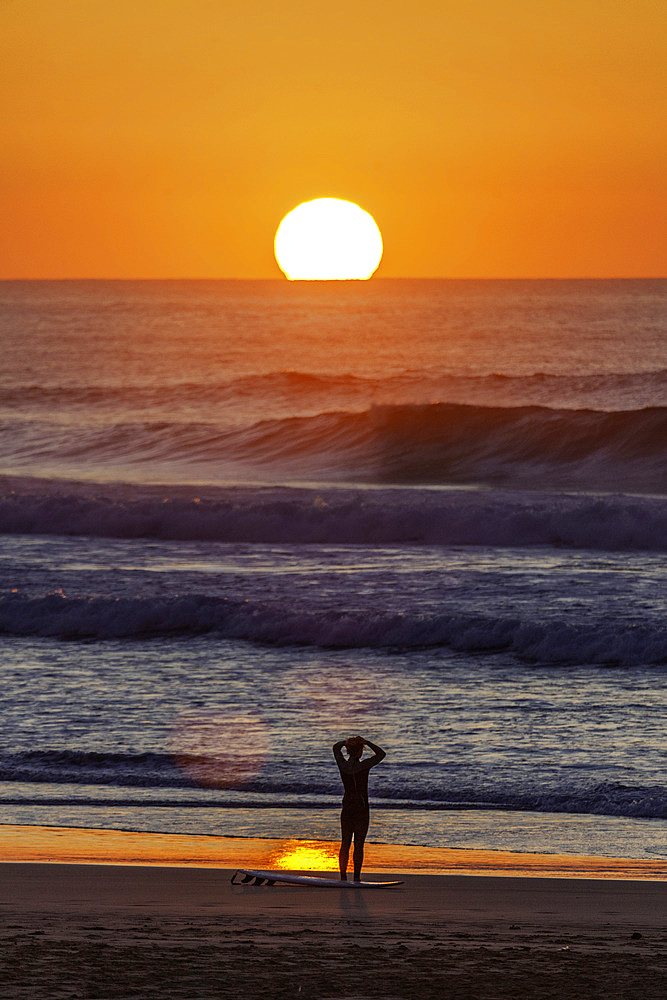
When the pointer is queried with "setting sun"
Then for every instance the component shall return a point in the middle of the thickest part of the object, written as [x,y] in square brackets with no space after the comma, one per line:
[328,239]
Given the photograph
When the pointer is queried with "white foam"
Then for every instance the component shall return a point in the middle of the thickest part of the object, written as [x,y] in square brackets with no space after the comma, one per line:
[545,643]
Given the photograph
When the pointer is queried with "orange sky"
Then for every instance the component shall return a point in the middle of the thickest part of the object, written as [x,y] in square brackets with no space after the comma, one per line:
[490,138]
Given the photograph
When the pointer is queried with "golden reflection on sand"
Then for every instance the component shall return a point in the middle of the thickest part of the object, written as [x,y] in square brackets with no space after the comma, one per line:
[305,855]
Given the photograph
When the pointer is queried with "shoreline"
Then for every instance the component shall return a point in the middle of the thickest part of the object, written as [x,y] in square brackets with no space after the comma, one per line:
[106,847]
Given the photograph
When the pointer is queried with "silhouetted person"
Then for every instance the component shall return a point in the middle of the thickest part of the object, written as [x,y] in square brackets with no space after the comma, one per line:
[355,814]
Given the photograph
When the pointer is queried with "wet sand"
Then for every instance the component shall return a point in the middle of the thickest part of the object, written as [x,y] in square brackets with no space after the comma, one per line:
[170,930]
[94,846]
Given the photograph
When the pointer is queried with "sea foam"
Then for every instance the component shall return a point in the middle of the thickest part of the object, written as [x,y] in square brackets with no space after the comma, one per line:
[530,640]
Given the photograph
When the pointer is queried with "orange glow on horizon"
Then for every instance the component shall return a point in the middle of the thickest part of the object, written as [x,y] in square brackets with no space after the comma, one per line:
[168,139]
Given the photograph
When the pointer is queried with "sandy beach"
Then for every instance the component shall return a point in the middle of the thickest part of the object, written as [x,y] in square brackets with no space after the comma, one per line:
[175,929]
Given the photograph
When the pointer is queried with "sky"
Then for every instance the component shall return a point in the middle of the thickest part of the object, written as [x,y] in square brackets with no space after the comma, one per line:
[488,138]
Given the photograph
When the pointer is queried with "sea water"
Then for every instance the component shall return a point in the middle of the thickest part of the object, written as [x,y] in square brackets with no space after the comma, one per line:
[243,520]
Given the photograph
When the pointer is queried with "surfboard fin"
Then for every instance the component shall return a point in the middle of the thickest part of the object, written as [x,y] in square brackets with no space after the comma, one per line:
[247,878]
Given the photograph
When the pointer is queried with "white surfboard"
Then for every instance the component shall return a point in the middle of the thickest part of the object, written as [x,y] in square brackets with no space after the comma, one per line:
[246,876]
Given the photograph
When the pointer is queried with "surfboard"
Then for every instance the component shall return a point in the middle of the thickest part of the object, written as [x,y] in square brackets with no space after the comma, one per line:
[246,876]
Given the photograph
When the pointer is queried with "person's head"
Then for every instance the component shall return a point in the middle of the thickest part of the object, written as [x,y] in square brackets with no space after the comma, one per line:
[354,746]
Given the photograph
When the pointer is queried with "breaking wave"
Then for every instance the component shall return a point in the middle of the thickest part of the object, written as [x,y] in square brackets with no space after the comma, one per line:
[335,516]
[434,443]
[541,642]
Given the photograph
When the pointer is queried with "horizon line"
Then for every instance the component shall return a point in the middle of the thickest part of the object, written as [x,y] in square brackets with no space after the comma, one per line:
[356,281]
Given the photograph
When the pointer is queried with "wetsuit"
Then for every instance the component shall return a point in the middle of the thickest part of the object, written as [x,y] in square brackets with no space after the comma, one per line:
[355,812]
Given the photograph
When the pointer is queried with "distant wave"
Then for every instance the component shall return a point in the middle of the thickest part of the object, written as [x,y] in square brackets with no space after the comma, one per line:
[620,389]
[437,443]
[543,642]
[153,773]
[336,516]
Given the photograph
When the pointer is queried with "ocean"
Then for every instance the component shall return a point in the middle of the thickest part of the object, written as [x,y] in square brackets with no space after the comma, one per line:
[241,520]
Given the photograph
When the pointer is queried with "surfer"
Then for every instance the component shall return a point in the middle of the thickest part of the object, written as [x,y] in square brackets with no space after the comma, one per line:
[355,814]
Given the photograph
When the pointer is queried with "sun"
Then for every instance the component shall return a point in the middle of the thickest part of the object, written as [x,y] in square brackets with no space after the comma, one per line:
[327,240]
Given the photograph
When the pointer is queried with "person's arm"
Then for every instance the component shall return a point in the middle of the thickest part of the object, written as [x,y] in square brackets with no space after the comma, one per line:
[338,753]
[378,754]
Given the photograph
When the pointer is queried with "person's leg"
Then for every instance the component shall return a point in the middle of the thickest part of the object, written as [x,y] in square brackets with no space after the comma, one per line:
[346,830]
[360,831]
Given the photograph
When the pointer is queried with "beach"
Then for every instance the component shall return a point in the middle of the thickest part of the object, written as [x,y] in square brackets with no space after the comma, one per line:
[183,930]
[99,931]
